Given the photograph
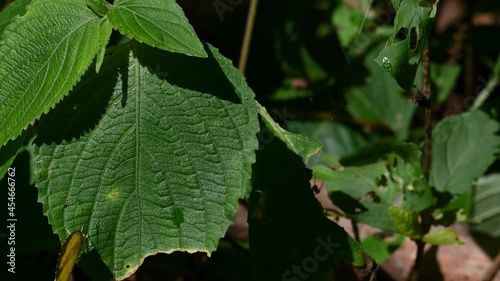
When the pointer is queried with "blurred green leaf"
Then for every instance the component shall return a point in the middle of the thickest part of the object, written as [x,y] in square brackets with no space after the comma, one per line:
[367,193]
[379,148]
[347,21]
[442,237]
[288,91]
[402,54]
[380,249]
[380,100]
[405,222]
[486,209]
[489,87]
[444,78]
[463,147]
[338,139]
[313,69]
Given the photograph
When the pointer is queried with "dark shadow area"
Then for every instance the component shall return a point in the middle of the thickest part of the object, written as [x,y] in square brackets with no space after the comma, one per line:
[174,266]
[79,112]
[124,79]
[346,203]
[93,266]
[490,245]
[286,222]
[35,246]
[203,75]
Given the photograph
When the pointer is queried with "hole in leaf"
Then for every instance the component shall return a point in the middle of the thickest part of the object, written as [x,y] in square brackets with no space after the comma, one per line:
[401,35]
[424,3]
[372,196]
[395,163]
[413,38]
[382,182]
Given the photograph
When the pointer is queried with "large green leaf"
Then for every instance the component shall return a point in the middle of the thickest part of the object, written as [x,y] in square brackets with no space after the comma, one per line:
[44,53]
[402,54]
[150,155]
[287,227]
[158,23]
[486,209]
[463,147]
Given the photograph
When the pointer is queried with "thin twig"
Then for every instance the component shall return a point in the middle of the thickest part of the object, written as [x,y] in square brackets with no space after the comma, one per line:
[425,97]
[415,271]
[427,93]
[247,38]
[469,55]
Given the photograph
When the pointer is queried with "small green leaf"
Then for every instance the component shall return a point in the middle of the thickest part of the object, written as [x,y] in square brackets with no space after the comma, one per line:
[158,23]
[44,53]
[403,51]
[105,30]
[301,145]
[405,222]
[463,147]
[379,249]
[442,237]
[366,193]
[100,7]
[348,22]
[380,100]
